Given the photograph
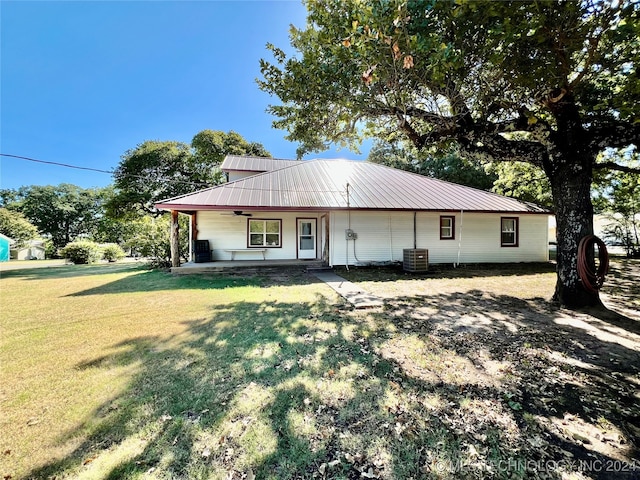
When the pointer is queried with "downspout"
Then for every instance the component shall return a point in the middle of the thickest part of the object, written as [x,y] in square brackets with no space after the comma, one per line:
[415,244]
[390,240]
[346,240]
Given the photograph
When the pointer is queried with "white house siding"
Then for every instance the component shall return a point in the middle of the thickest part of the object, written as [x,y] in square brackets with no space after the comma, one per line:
[239,175]
[30,253]
[226,231]
[382,236]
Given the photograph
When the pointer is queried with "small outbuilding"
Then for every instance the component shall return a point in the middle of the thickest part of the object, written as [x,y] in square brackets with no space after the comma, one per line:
[33,250]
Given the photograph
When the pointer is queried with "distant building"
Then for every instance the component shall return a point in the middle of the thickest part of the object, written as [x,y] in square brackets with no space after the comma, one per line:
[33,250]
[5,245]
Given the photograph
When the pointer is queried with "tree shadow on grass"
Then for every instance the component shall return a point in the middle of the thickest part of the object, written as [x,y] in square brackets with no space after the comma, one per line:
[391,273]
[70,271]
[156,281]
[621,290]
[571,380]
[144,280]
[450,386]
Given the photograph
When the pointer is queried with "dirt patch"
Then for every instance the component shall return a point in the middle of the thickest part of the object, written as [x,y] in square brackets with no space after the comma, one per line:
[571,380]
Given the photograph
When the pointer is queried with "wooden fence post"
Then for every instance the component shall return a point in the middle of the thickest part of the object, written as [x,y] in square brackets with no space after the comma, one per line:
[175,240]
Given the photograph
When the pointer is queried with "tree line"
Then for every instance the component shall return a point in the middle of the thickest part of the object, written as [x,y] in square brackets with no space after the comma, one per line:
[123,213]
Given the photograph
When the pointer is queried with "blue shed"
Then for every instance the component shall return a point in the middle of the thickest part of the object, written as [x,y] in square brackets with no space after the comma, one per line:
[5,243]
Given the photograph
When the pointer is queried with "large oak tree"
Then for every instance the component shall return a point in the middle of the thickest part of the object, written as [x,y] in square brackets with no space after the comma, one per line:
[62,212]
[547,83]
[156,170]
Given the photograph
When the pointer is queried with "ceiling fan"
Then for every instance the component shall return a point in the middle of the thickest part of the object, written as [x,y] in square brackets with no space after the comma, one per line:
[237,213]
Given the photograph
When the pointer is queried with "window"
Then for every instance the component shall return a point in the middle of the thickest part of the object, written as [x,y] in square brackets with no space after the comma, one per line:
[509,232]
[447,228]
[264,233]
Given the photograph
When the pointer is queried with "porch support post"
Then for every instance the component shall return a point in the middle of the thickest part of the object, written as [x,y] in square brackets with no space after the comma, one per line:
[325,249]
[175,244]
[194,235]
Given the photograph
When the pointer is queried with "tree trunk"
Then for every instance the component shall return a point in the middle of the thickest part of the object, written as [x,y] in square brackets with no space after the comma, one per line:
[175,240]
[570,172]
[571,188]
[67,232]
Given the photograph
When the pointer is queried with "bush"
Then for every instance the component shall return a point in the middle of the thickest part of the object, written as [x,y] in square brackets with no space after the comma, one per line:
[112,252]
[82,251]
[151,239]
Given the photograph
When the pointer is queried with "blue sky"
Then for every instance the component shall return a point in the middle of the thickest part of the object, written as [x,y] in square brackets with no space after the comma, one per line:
[82,82]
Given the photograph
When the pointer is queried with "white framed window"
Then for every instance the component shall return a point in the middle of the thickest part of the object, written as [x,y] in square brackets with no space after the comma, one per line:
[509,232]
[264,233]
[447,227]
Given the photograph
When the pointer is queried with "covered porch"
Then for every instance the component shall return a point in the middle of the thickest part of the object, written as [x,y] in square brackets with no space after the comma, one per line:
[190,268]
[222,238]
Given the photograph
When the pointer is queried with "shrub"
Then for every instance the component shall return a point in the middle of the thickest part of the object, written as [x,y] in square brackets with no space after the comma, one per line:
[112,252]
[151,239]
[82,251]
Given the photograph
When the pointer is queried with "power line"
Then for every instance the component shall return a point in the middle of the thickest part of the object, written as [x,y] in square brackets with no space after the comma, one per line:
[109,172]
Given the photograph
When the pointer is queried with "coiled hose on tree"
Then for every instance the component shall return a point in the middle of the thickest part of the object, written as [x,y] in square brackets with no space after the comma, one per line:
[592,280]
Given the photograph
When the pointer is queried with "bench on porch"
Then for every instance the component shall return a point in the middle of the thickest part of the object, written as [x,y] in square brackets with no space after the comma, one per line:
[233,251]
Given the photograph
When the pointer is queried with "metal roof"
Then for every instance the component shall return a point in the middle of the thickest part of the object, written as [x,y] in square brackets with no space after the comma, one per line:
[342,184]
[254,164]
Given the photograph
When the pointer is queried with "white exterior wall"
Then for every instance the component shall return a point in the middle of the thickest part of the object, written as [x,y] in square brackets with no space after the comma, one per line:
[239,175]
[382,236]
[29,253]
[229,231]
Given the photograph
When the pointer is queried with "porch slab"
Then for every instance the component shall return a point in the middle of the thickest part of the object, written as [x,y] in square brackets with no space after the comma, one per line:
[349,291]
[191,268]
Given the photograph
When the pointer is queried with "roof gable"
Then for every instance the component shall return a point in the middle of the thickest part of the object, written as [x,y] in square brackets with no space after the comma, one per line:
[241,163]
[342,184]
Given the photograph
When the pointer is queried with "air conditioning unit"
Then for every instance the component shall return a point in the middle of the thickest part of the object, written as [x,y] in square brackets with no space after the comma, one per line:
[415,259]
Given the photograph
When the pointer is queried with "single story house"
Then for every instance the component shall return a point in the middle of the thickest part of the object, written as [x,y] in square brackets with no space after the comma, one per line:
[33,250]
[355,212]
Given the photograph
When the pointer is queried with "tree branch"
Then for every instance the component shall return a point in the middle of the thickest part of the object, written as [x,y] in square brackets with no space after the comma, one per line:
[418,140]
[525,122]
[498,149]
[429,117]
[593,45]
[616,166]
[482,139]
[614,134]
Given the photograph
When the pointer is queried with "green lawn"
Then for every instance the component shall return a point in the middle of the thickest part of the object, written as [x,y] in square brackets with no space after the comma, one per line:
[114,371]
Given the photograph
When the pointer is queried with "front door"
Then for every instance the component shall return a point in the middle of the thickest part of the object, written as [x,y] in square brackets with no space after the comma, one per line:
[307,238]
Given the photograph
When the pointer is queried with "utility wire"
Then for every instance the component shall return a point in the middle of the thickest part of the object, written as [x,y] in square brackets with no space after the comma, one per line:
[56,163]
[146,177]
[110,172]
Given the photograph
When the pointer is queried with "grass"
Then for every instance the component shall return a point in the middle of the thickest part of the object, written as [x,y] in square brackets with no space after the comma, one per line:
[119,372]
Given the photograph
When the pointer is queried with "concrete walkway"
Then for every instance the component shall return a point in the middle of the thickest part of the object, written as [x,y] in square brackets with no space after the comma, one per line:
[349,291]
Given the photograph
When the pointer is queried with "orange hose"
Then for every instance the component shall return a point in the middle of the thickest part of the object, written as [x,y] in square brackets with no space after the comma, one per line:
[592,280]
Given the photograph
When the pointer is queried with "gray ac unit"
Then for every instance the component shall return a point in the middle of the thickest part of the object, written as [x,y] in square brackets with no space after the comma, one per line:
[415,259]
